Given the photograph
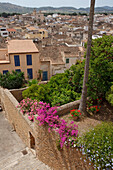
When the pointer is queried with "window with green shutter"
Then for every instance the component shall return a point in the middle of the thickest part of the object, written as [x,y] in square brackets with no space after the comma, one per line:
[67,60]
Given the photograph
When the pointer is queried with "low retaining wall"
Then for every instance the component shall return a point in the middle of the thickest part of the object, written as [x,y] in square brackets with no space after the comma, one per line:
[20,123]
[17,93]
[48,153]
[64,109]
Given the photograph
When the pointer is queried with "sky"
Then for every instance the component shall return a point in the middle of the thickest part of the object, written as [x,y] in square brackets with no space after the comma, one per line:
[59,3]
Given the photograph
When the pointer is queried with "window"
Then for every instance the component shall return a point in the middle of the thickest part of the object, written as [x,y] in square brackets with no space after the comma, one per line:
[5,33]
[45,76]
[29,59]
[3,29]
[18,70]
[67,60]
[30,73]
[5,71]
[17,60]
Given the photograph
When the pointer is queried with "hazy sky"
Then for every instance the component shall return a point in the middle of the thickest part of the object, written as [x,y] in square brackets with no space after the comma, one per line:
[59,3]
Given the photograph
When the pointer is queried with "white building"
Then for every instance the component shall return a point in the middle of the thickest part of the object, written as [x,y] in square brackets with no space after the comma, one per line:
[3,32]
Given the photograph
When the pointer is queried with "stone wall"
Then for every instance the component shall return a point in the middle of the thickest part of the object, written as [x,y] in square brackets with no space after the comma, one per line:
[38,137]
[48,153]
[20,123]
[17,93]
[64,109]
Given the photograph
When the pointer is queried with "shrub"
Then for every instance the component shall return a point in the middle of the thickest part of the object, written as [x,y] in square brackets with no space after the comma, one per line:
[94,109]
[98,146]
[38,92]
[34,81]
[29,107]
[101,67]
[58,91]
[12,80]
[68,133]
[93,106]
[109,96]
[75,113]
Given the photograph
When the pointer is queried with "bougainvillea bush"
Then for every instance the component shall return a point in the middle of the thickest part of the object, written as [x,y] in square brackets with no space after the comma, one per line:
[98,146]
[47,115]
[68,133]
[29,107]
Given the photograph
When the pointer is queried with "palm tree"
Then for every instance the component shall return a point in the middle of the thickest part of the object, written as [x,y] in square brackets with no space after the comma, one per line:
[82,106]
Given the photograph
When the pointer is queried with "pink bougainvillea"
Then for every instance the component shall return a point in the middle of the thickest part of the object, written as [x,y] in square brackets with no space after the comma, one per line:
[29,107]
[48,115]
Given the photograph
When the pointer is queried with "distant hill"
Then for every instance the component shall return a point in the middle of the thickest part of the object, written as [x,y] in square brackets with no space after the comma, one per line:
[99,9]
[11,8]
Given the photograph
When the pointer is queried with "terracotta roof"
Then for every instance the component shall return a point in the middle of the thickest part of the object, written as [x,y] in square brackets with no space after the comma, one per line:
[21,46]
[11,30]
[51,53]
[32,28]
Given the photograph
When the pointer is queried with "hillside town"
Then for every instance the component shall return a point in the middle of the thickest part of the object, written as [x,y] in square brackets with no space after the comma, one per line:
[59,40]
[56,89]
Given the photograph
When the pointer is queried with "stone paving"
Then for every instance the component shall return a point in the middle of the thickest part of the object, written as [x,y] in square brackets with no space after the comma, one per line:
[14,155]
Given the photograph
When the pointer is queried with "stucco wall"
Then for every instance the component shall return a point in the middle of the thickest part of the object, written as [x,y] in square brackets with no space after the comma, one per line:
[45,66]
[23,64]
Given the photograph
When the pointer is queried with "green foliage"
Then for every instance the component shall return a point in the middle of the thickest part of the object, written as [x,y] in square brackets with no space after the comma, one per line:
[75,76]
[109,96]
[98,145]
[6,15]
[66,87]
[38,92]
[101,67]
[34,81]
[12,80]
[61,88]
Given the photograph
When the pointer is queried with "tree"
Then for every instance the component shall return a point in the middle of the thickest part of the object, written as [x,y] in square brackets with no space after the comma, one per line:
[82,106]
[101,67]
[12,80]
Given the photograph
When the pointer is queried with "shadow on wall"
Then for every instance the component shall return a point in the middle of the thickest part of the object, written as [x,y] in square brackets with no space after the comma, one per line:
[17,93]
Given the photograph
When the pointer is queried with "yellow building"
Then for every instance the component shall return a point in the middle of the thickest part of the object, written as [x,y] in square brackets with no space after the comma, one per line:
[40,34]
[20,55]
